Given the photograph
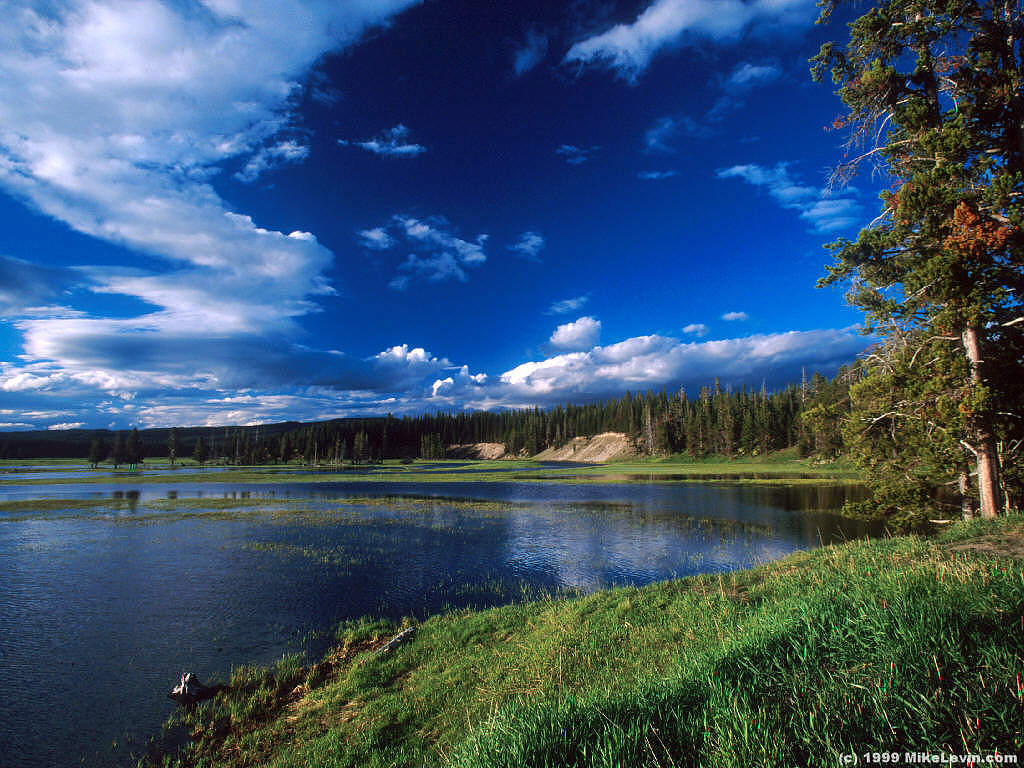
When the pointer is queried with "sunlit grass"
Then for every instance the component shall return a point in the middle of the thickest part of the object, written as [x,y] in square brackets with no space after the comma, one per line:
[902,644]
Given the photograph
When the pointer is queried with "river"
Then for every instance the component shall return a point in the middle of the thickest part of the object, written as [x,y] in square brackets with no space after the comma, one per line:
[109,592]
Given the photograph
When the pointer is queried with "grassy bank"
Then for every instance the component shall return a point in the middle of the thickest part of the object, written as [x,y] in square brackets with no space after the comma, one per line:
[903,644]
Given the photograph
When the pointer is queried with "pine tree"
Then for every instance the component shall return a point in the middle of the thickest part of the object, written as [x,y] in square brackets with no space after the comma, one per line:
[172,445]
[360,448]
[97,452]
[199,453]
[936,102]
[132,449]
[118,455]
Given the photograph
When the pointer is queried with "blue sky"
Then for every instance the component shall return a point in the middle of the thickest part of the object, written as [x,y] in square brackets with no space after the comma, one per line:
[240,212]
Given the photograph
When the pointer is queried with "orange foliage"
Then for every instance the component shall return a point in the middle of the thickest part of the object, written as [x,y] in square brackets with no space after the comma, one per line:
[971,236]
[947,64]
[838,123]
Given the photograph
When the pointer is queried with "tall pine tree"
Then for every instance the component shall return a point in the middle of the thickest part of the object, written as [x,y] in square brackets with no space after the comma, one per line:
[935,102]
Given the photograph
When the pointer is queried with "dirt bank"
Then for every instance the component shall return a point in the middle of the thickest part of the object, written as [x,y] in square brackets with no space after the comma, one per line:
[487,451]
[608,446]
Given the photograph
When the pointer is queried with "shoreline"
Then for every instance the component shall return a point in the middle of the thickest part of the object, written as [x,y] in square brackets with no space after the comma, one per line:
[692,661]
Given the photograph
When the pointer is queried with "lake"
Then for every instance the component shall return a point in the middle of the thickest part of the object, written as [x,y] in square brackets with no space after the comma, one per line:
[110,591]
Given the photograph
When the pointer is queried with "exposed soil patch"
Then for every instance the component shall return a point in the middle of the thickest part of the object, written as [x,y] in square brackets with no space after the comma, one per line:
[483,451]
[608,446]
[1006,543]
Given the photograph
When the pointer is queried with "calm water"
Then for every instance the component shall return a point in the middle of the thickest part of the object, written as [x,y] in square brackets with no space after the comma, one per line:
[102,608]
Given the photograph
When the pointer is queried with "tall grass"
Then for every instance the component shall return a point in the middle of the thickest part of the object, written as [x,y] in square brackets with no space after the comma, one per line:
[895,645]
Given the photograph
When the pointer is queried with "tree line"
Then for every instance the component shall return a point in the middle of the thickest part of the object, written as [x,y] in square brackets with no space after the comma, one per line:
[713,421]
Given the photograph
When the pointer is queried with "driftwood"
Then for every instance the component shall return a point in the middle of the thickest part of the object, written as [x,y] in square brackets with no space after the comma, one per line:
[190,691]
[397,640]
[390,645]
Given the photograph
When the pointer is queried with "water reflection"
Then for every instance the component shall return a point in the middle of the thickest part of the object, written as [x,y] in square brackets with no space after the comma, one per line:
[101,607]
[132,497]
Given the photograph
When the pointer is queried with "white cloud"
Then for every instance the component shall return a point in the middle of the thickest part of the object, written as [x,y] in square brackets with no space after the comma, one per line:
[459,387]
[270,157]
[579,334]
[407,379]
[390,143]
[747,75]
[16,380]
[435,234]
[376,239]
[434,268]
[565,306]
[657,361]
[532,52]
[575,155]
[696,329]
[735,316]
[744,78]
[825,213]
[66,425]
[657,136]
[832,214]
[438,255]
[528,246]
[114,116]
[629,48]
[656,175]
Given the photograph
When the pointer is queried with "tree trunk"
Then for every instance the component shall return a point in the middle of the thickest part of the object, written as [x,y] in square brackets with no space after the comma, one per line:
[981,435]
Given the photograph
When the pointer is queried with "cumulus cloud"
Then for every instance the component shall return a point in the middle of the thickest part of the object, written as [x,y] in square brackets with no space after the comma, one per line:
[65,426]
[270,157]
[376,239]
[579,334]
[528,246]
[462,384]
[575,155]
[407,379]
[565,306]
[735,316]
[402,366]
[531,53]
[390,143]
[438,253]
[696,329]
[436,234]
[658,361]
[628,48]
[824,213]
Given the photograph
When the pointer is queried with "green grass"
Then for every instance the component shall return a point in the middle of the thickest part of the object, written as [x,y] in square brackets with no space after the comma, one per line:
[780,467]
[899,644]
